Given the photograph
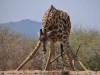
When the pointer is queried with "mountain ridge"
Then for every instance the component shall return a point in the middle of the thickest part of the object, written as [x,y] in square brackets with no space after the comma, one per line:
[26,26]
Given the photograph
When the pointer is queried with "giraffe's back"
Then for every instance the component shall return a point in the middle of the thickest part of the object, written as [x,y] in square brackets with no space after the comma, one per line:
[57,22]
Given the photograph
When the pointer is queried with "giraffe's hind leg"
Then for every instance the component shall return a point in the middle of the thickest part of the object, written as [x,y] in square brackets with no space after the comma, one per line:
[71,55]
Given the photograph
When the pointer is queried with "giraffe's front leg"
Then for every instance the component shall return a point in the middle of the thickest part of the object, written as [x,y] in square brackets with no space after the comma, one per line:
[51,52]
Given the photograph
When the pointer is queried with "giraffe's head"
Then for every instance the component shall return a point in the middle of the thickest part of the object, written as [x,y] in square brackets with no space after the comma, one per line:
[43,39]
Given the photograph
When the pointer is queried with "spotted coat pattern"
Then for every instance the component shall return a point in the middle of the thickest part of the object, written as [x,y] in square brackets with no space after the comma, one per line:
[57,24]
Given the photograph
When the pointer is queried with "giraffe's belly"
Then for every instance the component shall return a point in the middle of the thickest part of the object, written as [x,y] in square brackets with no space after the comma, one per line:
[52,38]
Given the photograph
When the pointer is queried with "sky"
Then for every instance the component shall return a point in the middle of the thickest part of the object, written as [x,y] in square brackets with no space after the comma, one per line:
[85,12]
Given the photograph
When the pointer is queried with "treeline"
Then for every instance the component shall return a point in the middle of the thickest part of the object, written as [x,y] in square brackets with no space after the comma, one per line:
[15,47]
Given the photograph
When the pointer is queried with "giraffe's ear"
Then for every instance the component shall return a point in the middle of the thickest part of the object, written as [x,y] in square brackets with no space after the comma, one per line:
[41,33]
[48,33]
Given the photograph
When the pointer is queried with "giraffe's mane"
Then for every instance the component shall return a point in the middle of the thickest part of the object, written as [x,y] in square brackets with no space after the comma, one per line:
[52,8]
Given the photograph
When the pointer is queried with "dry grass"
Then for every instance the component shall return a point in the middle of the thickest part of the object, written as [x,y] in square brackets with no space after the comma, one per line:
[14,48]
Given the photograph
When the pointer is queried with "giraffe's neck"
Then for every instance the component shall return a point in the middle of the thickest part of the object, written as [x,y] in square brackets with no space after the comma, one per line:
[49,22]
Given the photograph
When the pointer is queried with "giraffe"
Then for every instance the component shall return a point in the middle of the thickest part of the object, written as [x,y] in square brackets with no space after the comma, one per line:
[56,26]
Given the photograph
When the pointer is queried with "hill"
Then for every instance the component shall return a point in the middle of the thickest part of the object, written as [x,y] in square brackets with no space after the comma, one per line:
[27,27]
